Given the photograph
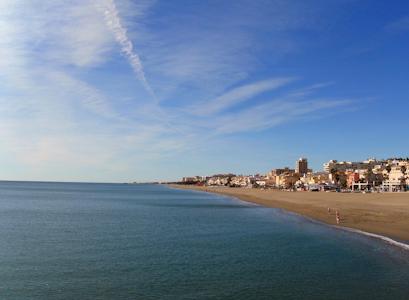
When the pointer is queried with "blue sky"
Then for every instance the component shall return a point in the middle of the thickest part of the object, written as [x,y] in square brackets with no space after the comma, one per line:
[105,90]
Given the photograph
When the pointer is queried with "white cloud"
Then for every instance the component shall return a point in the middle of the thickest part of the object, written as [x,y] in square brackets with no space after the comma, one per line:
[238,95]
[57,32]
[60,109]
[80,35]
[274,113]
[49,114]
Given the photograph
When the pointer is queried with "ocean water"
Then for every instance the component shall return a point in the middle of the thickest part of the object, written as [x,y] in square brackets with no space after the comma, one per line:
[113,241]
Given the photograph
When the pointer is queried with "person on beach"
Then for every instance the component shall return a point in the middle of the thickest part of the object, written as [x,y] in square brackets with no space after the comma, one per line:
[337,217]
[329,210]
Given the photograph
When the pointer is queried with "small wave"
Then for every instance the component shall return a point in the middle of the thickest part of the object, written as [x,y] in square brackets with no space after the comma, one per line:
[377,236]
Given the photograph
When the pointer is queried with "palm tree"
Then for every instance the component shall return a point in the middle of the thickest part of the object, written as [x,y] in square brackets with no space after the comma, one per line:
[334,175]
[403,178]
[343,182]
[368,176]
[388,169]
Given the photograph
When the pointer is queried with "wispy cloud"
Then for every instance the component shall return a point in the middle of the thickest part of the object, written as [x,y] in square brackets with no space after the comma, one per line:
[114,23]
[399,25]
[51,112]
[197,52]
[66,105]
[274,113]
[238,95]
[310,89]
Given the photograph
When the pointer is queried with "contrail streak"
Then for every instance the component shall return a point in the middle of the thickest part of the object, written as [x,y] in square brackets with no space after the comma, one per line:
[114,23]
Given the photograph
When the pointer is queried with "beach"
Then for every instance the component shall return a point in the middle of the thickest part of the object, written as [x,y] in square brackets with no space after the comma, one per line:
[384,214]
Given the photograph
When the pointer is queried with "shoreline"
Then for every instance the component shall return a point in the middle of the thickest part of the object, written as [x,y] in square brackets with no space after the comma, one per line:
[383,216]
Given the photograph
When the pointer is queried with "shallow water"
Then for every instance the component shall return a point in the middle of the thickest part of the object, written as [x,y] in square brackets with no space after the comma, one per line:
[112,241]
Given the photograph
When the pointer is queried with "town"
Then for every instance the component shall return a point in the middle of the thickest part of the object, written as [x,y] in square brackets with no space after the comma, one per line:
[387,175]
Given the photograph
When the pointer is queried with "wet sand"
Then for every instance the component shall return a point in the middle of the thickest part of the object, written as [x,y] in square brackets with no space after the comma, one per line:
[385,214]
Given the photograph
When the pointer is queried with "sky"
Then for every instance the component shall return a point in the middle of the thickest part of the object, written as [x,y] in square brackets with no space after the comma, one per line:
[142,90]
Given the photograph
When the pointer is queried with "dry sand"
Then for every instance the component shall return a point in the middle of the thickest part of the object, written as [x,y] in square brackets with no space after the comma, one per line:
[380,213]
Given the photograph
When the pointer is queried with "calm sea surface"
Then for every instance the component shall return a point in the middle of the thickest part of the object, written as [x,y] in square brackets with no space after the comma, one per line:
[112,241]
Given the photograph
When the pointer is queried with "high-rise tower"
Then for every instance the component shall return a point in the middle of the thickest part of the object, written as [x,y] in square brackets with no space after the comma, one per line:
[301,166]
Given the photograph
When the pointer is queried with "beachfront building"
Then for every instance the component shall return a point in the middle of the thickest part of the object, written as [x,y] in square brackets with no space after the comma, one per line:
[219,180]
[386,175]
[275,178]
[370,175]
[356,181]
[261,183]
[270,182]
[352,178]
[315,178]
[287,180]
[342,166]
[240,181]
[193,180]
[396,177]
[276,172]
[301,166]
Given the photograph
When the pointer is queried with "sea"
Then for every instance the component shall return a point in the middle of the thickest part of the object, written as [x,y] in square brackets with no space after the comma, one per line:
[122,241]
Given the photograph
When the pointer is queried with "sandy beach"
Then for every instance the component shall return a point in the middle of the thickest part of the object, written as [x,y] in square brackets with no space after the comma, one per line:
[386,214]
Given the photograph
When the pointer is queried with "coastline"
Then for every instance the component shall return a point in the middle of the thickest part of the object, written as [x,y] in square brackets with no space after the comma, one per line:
[380,215]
